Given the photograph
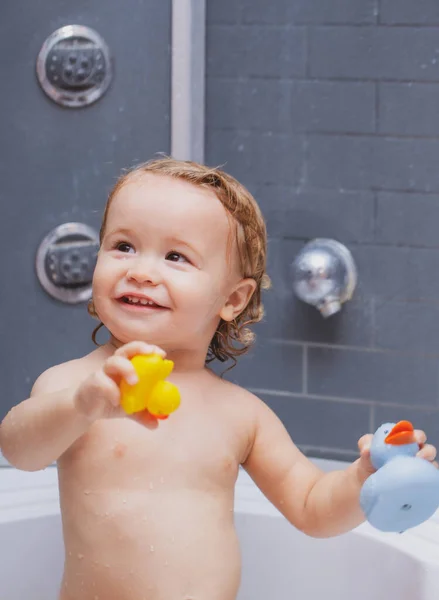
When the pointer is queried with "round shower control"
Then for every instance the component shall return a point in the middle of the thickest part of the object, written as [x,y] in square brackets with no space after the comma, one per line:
[65,262]
[74,66]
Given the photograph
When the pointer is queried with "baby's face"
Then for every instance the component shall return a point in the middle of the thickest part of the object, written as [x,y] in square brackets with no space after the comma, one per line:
[163,273]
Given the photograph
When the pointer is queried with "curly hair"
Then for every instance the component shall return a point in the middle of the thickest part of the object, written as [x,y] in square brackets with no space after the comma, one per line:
[231,339]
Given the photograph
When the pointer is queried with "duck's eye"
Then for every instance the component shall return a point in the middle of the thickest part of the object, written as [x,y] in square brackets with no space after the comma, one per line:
[386,432]
[406,507]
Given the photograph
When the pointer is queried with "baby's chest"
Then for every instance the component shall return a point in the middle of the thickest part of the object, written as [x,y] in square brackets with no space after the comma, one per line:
[194,453]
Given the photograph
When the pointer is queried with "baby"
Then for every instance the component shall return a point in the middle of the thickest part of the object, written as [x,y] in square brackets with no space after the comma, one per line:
[147,505]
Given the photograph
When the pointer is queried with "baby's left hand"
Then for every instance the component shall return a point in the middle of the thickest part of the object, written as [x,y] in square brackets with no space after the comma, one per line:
[426,451]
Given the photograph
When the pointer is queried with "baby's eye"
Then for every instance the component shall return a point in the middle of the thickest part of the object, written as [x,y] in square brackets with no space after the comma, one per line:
[176,257]
[124,247]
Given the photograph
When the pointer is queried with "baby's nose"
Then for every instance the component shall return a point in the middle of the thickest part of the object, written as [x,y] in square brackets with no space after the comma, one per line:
[143,271]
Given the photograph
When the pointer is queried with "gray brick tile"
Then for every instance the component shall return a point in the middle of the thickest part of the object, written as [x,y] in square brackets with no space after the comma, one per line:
[223,12]
[394,53]
[295,106]
[290,319]
[409,108]
[309,11]
[268,365]
[424,12]
[392,273]
[381,377]
[351,162]
[346,216]
[408,219]
[312,422]
[333,106]
[243,105]
[255,51]
[408,325]
[319,106]
[257,157]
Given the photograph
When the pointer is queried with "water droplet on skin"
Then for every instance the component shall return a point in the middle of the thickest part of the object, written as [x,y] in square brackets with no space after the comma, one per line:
[281,501]
[86,492]
[107,566]
[80,556]
[151,548]
[144,518]
[106,513]
[124,500]
[151,486]
[162,480]
[172,539]
[166,563]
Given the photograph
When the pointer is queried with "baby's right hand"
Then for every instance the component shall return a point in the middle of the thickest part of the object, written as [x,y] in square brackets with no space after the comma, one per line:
[98,397]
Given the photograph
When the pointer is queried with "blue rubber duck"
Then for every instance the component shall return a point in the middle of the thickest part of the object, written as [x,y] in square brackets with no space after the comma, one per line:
[404,491]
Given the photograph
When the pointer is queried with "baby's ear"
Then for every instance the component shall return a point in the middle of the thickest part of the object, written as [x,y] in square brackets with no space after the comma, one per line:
[238,299]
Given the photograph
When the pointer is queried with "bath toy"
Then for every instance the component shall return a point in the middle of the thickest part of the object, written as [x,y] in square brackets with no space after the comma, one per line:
[151,392]
[404,491]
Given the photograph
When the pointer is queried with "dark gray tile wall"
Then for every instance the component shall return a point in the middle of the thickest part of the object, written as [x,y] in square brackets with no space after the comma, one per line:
[328,110]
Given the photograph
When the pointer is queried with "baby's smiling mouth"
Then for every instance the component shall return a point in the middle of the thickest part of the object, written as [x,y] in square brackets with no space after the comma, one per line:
[139,302]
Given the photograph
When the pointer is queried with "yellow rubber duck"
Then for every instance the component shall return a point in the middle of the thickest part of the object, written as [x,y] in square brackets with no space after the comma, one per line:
[159,397]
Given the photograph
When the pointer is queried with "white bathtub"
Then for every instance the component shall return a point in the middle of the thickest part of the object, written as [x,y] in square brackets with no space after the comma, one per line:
[279,563]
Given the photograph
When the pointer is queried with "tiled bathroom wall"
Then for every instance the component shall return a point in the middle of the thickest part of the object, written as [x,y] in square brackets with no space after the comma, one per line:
[328,110]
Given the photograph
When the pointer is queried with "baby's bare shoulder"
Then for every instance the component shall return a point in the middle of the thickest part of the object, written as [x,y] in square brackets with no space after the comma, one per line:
[238,397]
[65,374]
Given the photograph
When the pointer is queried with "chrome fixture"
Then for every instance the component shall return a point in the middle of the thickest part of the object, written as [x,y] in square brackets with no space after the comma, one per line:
[65,262]
[325,275]
[74,66]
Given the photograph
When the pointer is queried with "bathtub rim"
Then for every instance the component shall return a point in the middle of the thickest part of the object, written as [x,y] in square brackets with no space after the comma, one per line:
[31,495]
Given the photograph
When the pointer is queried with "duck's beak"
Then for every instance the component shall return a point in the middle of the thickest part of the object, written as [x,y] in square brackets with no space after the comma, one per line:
[402,433]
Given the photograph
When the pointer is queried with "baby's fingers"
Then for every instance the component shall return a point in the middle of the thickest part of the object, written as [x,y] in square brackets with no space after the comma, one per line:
[420,437]
[364,443]
[428,452]
[134,348]
[118,367]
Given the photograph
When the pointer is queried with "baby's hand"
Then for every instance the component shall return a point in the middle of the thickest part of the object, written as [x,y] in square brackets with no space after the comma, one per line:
[426,451]
[98,397]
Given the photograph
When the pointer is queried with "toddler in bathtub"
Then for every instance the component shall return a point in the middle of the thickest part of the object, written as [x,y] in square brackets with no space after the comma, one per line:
[147,506]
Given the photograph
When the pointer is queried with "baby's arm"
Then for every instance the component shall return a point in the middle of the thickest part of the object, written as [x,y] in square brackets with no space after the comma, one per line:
[38,430]
[319,504]
[64,402]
